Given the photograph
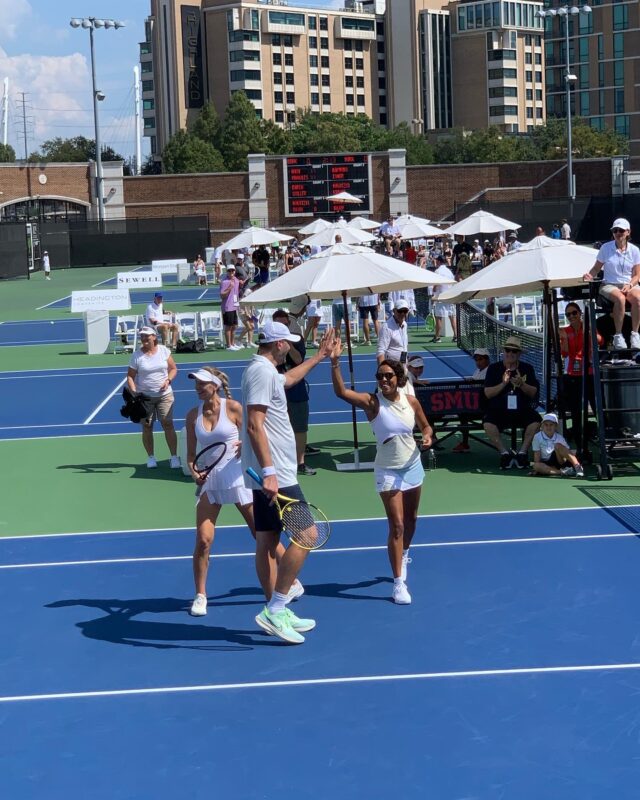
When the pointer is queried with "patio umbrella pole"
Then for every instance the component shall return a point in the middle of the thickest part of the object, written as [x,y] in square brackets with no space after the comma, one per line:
[352,381]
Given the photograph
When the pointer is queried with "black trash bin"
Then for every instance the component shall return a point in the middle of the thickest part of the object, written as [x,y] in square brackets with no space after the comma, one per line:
[621,400]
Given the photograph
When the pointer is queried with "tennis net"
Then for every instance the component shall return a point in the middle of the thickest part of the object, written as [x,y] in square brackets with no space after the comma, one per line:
[476,328]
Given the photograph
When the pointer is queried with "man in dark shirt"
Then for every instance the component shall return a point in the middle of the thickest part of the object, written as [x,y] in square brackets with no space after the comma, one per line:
[261,262]
[511,389]
[461,247]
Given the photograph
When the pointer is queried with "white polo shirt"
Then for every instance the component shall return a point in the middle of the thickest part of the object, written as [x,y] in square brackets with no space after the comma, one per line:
[617,264]
[263,385]
[393,339]
[154,313]
[545,445]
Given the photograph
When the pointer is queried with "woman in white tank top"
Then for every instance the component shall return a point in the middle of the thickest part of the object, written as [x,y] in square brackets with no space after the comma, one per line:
[215,419]
[393,415]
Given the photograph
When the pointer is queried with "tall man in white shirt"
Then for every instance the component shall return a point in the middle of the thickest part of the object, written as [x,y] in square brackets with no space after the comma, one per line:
[155,316]
[393,340]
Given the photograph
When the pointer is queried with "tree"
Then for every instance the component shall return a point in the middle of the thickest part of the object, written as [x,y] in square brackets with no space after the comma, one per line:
[419,151]
[550,140]
[76,149]
[187,153]
[276,140]
[151,166]
[7,153]
[335,133]
[208,126]
[241,132]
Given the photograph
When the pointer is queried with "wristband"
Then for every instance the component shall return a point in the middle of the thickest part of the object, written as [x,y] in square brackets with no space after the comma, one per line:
[268,471]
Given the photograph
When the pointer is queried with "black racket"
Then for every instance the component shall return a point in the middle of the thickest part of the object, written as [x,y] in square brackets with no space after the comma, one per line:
[305,524]
[208,458]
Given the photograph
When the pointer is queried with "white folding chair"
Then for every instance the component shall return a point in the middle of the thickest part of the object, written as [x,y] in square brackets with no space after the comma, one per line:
[188,326]
[125,334]
[211,328]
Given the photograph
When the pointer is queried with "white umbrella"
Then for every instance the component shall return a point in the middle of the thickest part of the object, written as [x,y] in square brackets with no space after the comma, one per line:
[481,222]
[328,235]
[404,218]
[536,264]
[340,272]
[252,237]
[315,227]
[413,229]
[344,197]
[363,224]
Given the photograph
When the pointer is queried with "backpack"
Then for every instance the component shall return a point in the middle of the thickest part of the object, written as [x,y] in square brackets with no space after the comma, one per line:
[194,346]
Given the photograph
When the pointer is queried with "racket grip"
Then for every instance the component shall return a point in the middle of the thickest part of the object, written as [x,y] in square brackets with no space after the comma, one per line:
[253,474]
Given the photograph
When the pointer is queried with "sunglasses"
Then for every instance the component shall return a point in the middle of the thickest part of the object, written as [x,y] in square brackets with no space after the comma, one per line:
[511,350]
[385,376]
[618,230]
[402,310]
[573,314]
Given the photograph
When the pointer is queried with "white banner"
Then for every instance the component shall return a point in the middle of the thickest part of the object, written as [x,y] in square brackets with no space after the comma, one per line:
[100,300]
[139,279]
[165,269]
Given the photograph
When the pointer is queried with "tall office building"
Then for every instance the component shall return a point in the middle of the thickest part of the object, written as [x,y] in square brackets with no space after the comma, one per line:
[498,65]
[284,57]
[604,55]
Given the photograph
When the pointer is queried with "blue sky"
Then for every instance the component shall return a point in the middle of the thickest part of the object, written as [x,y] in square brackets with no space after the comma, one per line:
[49,61]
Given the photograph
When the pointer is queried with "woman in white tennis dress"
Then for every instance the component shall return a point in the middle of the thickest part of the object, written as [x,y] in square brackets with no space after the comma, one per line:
[399,474]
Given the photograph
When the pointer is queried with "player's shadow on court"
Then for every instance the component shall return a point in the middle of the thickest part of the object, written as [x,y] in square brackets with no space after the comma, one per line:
[139,470]
[348,591]
[119,626]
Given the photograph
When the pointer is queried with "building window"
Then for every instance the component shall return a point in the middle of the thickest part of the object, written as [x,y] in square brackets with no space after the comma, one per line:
[359,47]
[584,49]
[313,43]
[382,83]
[245,75]
[348,63]
[147,66]
[528,95]
[528,76]
[583,76]
[600,47]
[279,116]
[286,18]
[618,45]
[291,98]
[618,73]
[324,23]
[538,58]
[348,81]
[501,74]
[601,102]
[277,97]
[620,17]
[359,63]
[149,122]
[618,101]
[584,104]
[349,99]
[324,62]
[147,86]
[324,43]
[244,36]
[361,100]
[289,79]
[381,65]
[277,59]
[357,24]
[383,119]
[503,111]
[313,79]
[149,105]
[326,81]
[288,59]
[326,98]
[315,99]
[538,113]
[347,44]
[585,23]
[622,125]
[600,74]
[312,22]
[538,76]
[253,94]
[277,78]
[360,82]
[313,61]
[529,113]
[539,95]
[528,58]
[505,91]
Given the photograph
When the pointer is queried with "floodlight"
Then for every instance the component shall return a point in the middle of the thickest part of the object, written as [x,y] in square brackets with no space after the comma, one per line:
[75,22]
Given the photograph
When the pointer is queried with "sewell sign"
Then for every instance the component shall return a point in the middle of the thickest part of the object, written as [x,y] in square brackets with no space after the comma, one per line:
[151,279]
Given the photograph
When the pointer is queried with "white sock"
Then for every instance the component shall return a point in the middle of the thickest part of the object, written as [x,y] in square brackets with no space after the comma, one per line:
[398,582]
[277,603]
[405,553]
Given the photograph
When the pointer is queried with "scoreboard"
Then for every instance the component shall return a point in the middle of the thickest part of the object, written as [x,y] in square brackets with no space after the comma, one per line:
[309,180]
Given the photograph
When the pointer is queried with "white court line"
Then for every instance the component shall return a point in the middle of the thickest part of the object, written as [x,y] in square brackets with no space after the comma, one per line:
[200,296]
[364,549]
[424,517]
[411,676]
[104,402]
[53,302]
[39,342]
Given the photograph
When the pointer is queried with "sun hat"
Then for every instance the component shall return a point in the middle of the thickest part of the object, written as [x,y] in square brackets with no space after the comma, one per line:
[147,330]
[204,376]
[416,361]
[481,351]
[621,222]
[276,332]
[550,418]
[514,342]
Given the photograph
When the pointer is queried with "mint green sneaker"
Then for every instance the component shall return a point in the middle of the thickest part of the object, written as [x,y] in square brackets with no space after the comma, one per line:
[279,625]
[298,624]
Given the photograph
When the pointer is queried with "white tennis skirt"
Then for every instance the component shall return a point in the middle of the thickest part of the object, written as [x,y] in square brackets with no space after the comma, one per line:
[224,497]
[399,480]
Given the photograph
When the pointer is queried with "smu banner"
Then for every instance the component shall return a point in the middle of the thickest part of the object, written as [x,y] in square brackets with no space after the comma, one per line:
[443,399]
[143,280]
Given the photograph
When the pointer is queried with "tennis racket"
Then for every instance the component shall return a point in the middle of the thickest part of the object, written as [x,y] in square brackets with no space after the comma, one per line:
[305,524]
[430,323]
[208,458]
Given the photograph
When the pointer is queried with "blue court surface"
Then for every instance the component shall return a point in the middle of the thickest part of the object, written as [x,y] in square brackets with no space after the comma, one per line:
[88,400]
[513,674]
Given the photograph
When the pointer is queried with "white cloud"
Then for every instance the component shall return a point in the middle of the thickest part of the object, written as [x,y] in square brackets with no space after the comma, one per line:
[12,14]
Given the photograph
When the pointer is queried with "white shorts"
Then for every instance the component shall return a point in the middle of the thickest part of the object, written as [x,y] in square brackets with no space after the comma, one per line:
[444,309]
[399,480]
[223,497]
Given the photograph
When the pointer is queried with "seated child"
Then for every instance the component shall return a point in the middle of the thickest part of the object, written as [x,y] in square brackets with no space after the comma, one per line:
[551,453]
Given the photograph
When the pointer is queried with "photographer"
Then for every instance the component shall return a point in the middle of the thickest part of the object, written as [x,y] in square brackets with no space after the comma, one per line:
[511,389]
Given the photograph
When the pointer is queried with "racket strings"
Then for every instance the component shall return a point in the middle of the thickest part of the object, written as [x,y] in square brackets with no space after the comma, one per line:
[305,525]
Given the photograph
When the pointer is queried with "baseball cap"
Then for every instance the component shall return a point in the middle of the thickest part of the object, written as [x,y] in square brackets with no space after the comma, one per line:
[513,235]
[276,332]
[621,222]
[416,361]
[481,351]
[204,376]
[157,294]
[550,418]
[240,256]
[401,304]
[231,267]
[147,330]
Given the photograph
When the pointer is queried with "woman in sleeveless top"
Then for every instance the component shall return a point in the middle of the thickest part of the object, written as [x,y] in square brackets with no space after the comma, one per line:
[392,415]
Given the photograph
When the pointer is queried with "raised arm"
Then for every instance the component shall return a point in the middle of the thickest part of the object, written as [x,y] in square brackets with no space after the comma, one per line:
[363,400]
[296,374]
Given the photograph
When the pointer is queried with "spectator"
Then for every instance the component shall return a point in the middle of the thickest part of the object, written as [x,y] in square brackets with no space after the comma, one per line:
[200,271]
[487,253]
[511,389]
[261,259]
[230,297]
[314,315]
[415,370]
[443,310]
[540,231]
[369,306]
[151,371]
[551,453]
[514,245]
[160,318]
[390,235]
[46,266]
[555,231]
[461,247]
[298,395]
[481,357]
[620,262]
[565,230]
[393,339]
[477,256]
[404,294]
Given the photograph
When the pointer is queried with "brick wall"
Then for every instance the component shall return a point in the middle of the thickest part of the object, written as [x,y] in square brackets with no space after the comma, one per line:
[67,181]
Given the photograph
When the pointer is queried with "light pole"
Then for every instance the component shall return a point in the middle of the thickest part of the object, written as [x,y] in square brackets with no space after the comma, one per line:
[569,78]
[91,23]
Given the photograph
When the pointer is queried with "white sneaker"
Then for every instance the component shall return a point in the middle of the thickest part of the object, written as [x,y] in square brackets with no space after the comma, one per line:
[235,347]
[174,463]
[199,606]
[401,594]
[296,591]
[405,560]
[619,342]
[151,462]
[635,340]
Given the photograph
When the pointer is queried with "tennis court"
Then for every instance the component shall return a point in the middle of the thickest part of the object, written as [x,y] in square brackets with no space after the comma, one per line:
[513,674]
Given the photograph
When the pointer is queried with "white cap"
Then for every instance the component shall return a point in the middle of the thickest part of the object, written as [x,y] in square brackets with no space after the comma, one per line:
[276,332]
[621,222]
[240,256]
[550,418]
[204,376]
[481,351]
[147,331]
[400,304]
[416,361]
